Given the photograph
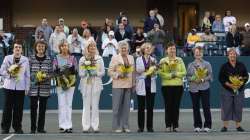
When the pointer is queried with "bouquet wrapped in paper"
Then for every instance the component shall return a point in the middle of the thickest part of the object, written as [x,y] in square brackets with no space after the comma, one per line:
[90,67]
[237,81]
[125,70]
[152,70]
[66,77]
[14,71]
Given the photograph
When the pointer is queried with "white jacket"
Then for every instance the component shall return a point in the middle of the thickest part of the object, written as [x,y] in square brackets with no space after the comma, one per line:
[96,81]
[109,47]
[140,78]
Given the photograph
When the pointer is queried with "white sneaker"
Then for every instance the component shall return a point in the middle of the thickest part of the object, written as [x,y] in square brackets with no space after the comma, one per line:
[197,129]
[127,130]
[168,129]
[206,129]
[118,131]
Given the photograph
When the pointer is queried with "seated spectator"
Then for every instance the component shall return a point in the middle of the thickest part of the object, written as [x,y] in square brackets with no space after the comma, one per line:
[208,36]
[109,45]
[64,27]
[191,40]
[85,25]
[206,22]
[47,30]
[150,21]
[55,39]
[75,44]
[128,28]
[208,42]
[40,36]
[245,47]
[229,20]
[87,38]
[122,34]
[233,37]
[159,17]
[218,25]
[157,38]
[139,39]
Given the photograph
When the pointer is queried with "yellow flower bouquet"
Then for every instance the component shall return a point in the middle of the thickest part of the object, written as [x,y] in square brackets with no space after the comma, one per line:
[14,71]
[201,73]
[40,76]
[237,81]
[125,70]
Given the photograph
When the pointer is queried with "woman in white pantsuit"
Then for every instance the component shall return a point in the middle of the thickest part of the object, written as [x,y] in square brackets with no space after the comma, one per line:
[91,70]
[65,68]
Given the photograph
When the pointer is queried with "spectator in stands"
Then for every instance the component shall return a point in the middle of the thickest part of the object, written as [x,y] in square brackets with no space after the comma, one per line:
[172,70]
[75,44]
[139,39]
[16,84]
[119,18]
[205,21]
[229,20]
[40,36]
[85,25]
[55,39]
[159,17]
[150,21]
[232,95]
[47,30]
[199,90]
[91,87]
[218,25]
[245,46]
[208,42]
[208,36]
[157,38]
[212,17]
[128,27]
[123,81]
[87,38]
[64,27]
[122,34]
[108,26]
[65,69]
[145,87]
[40,89]
[109,45]
[233,38]
[191,40]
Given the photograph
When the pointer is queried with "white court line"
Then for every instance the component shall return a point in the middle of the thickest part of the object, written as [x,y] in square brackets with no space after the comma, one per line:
[9,137]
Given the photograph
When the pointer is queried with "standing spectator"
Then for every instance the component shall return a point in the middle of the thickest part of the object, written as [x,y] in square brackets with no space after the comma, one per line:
[150,21]
[139,39]
[40,88]
[55,39]
[212,17]
[47,30]
[127,26]
[232,95]
[16,84]
[64,27]
[75,44]
[86,25]
[121,87]
[65,68]
[91,87]
[233,38]
[157,38]
[172,70]
[205,21]
[199,86]
[145,87]
[87,38]
[109,45]
[122,34]
[218,25]
[159,17]
[245,47]
[229,20]
[119,18]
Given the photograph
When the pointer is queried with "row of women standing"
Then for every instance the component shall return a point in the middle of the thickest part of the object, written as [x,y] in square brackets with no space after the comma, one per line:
[33,78]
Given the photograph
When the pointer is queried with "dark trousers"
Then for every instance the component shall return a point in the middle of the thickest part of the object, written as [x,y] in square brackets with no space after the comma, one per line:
[203,96]
[172,99]
[149,99]
[13,109]
[33,112]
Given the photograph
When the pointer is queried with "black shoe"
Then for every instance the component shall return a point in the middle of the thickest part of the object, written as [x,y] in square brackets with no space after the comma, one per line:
[41,131]
[5,132]
[223,129]
[61,129]
[140,130]
[19,131]
[68,131]
[151,130]
[240,129]
[32,131]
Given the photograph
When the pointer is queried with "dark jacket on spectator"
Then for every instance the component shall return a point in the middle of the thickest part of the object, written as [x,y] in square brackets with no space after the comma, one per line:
[119,37]
[149,24]
[233,41]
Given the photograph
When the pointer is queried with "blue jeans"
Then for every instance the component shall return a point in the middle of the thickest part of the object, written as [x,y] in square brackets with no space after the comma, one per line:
[159,50]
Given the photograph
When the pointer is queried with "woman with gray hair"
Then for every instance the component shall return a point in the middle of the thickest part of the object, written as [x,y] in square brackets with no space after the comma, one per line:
[233,75]
[121,70]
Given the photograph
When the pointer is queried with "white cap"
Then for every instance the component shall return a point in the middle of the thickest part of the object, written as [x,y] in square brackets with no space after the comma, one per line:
[247,24]
[111,33]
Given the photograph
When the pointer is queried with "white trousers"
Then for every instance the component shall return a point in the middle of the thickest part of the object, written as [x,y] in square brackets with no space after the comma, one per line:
[90,114]
[65,98]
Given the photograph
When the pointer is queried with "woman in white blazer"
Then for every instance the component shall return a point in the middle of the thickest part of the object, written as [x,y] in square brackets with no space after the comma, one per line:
[91,70]
[145,87]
